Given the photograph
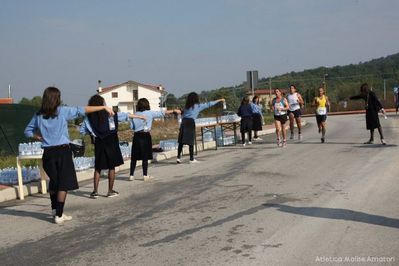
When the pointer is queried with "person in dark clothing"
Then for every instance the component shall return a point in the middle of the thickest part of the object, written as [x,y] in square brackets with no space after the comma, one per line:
[245,111]
[373,106]
[107,153]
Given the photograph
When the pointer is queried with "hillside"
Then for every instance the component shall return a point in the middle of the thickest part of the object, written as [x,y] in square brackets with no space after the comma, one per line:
[341,81]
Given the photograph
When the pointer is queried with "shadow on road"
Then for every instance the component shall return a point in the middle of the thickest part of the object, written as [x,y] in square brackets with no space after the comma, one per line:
[338,214]
[37,215]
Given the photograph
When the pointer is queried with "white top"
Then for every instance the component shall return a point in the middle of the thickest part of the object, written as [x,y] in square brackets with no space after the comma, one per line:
[278,106]
[293,101]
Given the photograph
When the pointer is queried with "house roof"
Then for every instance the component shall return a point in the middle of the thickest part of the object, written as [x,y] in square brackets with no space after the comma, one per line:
[131,82]
[6,101]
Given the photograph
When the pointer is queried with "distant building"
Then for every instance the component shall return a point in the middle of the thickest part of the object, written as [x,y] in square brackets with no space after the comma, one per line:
[126,95]
[266,96]
[6,101]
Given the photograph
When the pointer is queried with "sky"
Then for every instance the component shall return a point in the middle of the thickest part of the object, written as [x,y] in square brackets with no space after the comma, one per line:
[185,45]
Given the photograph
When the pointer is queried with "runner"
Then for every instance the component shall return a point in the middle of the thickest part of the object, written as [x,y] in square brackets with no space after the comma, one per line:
[373,107]
[321,103]
[295,102]
[280,107]
[257,117]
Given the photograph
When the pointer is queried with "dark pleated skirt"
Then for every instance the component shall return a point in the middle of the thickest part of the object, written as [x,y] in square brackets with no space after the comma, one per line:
[257,122]
[59,167]
[246,124]
[187,131]
[142,146]
[372,119]
[107,152]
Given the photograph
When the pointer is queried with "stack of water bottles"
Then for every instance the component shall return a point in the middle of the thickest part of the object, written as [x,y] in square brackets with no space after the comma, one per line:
[208,136]
[222,139]
[126,150]
[168,145]
[83,163]
[205,121]
[30,149]
[229,118]
[9,176]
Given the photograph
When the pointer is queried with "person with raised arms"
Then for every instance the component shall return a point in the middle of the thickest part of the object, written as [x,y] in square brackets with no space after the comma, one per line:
[50,126]
[142,140]
[107,153]
[192,109]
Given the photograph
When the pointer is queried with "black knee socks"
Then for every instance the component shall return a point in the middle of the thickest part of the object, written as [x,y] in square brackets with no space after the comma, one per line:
[133,164]
[190,149]
[59,208]
[53,199]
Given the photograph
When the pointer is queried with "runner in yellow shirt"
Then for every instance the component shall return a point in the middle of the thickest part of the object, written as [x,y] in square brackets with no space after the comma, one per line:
[321,103]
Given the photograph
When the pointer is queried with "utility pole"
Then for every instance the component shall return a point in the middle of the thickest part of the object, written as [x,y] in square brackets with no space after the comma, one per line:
[385,89]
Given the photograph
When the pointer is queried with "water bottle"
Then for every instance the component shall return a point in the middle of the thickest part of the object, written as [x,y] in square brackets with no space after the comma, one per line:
[111,123]
[145,128]
[224,105]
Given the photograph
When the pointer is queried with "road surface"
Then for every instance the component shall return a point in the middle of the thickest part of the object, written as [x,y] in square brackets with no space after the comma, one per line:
[307,204]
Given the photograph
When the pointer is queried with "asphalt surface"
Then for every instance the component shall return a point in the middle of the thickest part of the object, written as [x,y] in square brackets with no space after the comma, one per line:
[307,204]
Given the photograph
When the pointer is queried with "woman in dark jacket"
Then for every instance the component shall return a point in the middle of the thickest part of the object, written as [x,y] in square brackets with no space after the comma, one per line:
[245,112]
[373,107]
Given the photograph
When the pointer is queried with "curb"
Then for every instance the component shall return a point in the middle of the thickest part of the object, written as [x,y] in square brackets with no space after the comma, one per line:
[11,193]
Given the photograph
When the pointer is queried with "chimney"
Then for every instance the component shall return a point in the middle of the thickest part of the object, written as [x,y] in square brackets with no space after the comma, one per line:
[100,89]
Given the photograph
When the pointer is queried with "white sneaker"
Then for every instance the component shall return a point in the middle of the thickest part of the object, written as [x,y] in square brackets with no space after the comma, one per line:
[249,143]
[194,161]
[131,178]
[178,160]
[258,138]
[147,177]
[62,219]
[243,144]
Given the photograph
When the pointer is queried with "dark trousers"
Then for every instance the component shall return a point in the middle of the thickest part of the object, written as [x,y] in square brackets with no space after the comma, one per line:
[243,136]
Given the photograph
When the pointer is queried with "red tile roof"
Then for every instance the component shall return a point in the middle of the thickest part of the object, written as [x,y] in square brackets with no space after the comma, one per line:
[6,100]
[151,87]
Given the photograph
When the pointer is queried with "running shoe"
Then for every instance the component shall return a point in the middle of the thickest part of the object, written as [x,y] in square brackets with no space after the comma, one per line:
[257,139]
[94,195]
[243,145]
[62,219]
[249,143]
[131,178]
[112,194]
[383,142]
[178,160]
[284,145]
[323,140]
[194,161]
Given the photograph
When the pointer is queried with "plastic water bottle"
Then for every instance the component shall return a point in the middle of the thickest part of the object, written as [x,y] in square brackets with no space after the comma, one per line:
[111,123]
[224,106]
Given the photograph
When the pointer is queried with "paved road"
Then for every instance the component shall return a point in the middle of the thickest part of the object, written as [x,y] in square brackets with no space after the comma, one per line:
[260,205]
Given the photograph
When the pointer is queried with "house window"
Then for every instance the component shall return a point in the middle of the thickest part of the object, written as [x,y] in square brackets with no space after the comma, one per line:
[114,95]
[135,95]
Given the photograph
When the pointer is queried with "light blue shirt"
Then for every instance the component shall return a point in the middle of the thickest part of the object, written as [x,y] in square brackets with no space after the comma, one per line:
[54,131]
[86,128]
[256,108]
[139,124]
[196,109]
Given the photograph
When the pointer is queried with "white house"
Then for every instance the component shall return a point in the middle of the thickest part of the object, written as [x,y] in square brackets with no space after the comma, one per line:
[126,95]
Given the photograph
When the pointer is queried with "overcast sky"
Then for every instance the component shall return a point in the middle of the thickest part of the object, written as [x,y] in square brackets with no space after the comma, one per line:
[184,45]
